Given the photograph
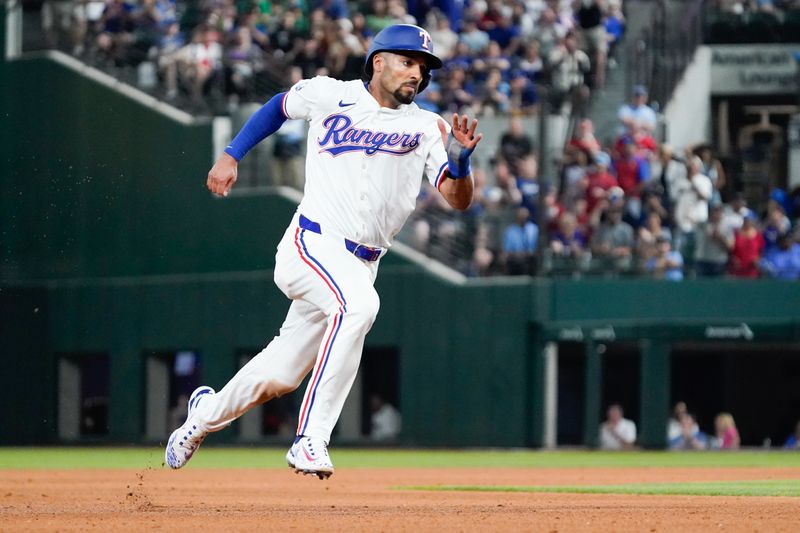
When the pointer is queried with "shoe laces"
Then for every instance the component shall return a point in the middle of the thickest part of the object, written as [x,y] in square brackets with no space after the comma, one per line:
[315,445]
[192,437]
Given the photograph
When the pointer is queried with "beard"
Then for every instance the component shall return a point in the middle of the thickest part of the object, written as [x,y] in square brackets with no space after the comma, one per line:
[403,96]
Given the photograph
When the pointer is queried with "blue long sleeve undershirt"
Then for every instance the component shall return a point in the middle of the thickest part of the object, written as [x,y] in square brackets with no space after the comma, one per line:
[262,124]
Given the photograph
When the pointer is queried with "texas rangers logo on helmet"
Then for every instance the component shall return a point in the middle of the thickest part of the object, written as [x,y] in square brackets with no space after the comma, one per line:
[340,137]
[426,39]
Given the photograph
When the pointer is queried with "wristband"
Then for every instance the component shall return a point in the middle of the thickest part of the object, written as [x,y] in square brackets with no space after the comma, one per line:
[458,159]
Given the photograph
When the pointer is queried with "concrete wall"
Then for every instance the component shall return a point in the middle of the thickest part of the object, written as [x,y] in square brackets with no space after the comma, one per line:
[688,113]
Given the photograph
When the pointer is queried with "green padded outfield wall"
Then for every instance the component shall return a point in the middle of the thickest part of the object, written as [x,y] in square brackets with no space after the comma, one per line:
[110,243]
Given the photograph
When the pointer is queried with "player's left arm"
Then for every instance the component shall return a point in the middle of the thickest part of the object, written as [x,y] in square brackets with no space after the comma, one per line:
[458,185]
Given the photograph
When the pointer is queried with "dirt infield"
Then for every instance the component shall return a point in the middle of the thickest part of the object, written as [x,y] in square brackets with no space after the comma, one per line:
[367,500]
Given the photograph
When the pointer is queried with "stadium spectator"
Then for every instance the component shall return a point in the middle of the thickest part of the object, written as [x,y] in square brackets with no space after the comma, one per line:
[712,168]
[674,428]
[287,149]
[782,261]
[690,436]
[115,32]
[473,37]
[515,144]
[648,235]
[637,113]
[584,139]
[519,244]
[617,432]
[594,39]
[443,38]
[632,173]
[568,67]
[776,224]
[714,241]
[651,205]
[668,176]
[747,248]
[600,181]
[505,189]
[385,421]
[645,144]
[531,63]
[243,61]
[615,30]
[170,58]
[567,249]
[203,62]
[65,24]
[457,93]
[494,95]
[528,184]
[612,244]
[505,32]
[492,58]
[691,208]
[793,441]
[734,213]
[346,53]
[666,263]
[550,32]
[726,435]
[574,180]
[522,95]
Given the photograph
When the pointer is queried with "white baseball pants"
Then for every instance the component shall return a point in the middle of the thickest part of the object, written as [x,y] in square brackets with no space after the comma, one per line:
[334,305]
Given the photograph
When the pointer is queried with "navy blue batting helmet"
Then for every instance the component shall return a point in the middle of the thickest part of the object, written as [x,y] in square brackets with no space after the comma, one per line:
[404,38]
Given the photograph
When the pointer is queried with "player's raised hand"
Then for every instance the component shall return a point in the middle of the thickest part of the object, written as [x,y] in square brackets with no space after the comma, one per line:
[462,131]
[222,175]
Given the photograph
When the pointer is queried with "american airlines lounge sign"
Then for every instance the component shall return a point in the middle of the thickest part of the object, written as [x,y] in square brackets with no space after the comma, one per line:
[754,69]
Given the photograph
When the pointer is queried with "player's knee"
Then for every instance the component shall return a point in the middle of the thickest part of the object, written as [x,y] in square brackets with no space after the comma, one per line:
[366,308]
[273,388]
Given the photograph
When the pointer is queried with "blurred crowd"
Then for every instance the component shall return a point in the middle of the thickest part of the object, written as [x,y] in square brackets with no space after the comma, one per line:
[752,21]
[632,207]
[682,432]
[742,7]
[494,51]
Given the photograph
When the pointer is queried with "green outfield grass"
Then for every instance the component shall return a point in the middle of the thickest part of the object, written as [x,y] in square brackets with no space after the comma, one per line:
[763,487]
[260,457]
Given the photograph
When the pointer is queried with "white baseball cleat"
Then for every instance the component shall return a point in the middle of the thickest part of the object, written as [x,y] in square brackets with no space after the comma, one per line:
[310,456]
[185,440]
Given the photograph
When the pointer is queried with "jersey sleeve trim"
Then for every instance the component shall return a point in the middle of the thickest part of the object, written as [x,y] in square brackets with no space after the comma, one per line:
[440,176]
[283,105]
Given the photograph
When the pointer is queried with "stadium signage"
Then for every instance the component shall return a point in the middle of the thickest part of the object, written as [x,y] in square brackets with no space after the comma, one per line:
[606,333]
[571,334]
[742,331]
[753,69]
[575,333]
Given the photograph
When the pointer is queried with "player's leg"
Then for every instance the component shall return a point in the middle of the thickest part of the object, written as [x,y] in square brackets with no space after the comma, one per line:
[276,370]
[341,285]
[337,363]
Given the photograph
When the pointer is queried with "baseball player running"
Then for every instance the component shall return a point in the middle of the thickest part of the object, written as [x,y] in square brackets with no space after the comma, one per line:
[369,146]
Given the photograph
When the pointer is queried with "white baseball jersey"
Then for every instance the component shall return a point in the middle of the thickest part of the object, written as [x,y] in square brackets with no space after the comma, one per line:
[364,163]
[364,169]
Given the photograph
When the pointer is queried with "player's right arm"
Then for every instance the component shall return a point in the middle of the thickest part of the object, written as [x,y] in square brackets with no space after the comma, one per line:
[263,123]
[298,102]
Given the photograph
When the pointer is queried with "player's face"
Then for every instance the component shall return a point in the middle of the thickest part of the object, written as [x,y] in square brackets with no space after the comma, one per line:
[400,75]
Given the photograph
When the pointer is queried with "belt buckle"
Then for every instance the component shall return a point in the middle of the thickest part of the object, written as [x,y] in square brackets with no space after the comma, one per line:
[365,252]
